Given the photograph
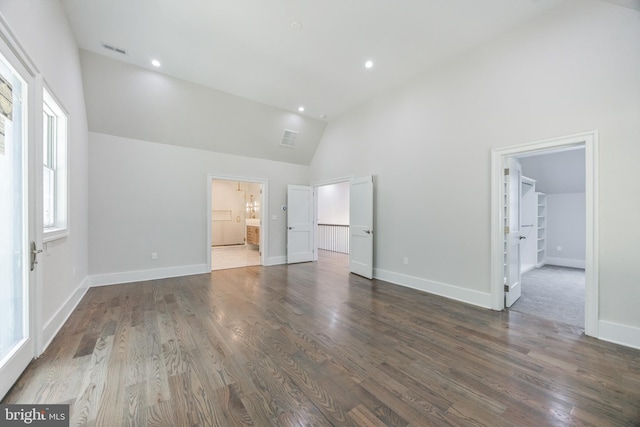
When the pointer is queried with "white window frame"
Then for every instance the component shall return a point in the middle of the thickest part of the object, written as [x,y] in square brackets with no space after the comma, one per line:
[60,226]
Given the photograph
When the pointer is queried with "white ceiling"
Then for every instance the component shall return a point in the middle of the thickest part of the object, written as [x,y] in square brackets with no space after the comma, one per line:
[249,48]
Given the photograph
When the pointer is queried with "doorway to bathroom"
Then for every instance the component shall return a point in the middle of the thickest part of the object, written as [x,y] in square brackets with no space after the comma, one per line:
[236,233]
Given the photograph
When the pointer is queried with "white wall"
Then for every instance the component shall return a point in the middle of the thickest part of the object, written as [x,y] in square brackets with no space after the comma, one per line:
[42,30]
[228,212]
[428,144]
[557,172]
[333,203]
[132,102]
[149,197]
[566,224]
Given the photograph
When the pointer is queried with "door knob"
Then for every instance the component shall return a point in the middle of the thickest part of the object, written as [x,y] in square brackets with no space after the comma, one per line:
[290,228]
[34,254]
[367,231]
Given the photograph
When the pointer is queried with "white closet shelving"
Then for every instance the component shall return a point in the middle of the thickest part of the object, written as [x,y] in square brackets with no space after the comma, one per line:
[541,229]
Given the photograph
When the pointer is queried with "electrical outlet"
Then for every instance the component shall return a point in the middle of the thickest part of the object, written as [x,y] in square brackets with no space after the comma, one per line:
[559,248]
[154,255]
[406,261]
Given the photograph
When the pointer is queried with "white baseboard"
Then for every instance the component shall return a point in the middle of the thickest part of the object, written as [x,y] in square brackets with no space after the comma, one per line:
[481,299]
[276,260]
[628,336]
[53,325]
[565,262]
[141,275]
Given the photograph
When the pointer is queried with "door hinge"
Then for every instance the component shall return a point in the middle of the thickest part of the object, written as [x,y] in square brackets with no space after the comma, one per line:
[506,171]
[506,288]
[506,230]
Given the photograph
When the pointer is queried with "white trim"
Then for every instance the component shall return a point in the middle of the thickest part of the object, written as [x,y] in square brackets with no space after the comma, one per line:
[333,181]
[264,213]
[16,48]
[628,336]
[457,293]
[20,61]
[53,325]
[141,275]
[62,202]
[49,235]
[589,140]
[565,262]
[276,260]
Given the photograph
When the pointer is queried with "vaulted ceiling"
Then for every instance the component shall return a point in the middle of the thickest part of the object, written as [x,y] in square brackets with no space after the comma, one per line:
[292,53]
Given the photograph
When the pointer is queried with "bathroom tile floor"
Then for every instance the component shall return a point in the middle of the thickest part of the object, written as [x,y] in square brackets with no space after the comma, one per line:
[223,257]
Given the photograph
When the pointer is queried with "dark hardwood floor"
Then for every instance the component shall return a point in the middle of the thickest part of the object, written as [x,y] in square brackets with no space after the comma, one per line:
[309,344]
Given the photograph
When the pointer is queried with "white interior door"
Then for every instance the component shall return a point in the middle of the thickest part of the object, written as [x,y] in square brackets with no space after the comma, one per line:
[16,341]
[361,226]
[513,197]
[300,241]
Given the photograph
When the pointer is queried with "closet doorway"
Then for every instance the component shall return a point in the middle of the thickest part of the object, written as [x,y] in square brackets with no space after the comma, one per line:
[505,269]
[552,235]
[236,232]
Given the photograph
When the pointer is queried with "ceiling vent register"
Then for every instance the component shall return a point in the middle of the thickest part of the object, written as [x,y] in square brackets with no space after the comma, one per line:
[289,138]
[114,49]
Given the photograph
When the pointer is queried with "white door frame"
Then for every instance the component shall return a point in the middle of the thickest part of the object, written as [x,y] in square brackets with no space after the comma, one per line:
[264,212]
[22,64]
[499,156]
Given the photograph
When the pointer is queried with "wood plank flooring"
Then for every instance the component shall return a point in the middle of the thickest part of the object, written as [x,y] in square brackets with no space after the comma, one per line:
[310,345]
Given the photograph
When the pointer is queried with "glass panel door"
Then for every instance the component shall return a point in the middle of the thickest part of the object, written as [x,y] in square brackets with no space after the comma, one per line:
[16,345]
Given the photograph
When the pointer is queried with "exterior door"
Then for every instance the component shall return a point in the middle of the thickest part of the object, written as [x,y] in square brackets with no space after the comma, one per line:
[16,341]
[300,239]
[513,196]
[361,226]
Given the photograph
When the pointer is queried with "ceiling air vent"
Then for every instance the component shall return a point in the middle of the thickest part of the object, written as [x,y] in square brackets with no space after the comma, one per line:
[114,49]
[289,138]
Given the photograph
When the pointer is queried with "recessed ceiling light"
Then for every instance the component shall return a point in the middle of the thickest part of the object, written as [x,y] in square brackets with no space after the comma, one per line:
[368,64]
[155,63]
[301,108]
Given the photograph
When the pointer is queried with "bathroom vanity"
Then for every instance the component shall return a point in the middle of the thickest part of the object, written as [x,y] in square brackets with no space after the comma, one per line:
[253,231]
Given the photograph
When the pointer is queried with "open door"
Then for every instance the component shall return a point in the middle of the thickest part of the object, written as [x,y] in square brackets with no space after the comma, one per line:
[300,241]
[512,272]
[18,220]
[361,226]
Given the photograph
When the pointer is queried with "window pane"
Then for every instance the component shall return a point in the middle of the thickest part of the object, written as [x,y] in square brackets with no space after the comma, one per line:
[13,236]
[45,139]
[48,191]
